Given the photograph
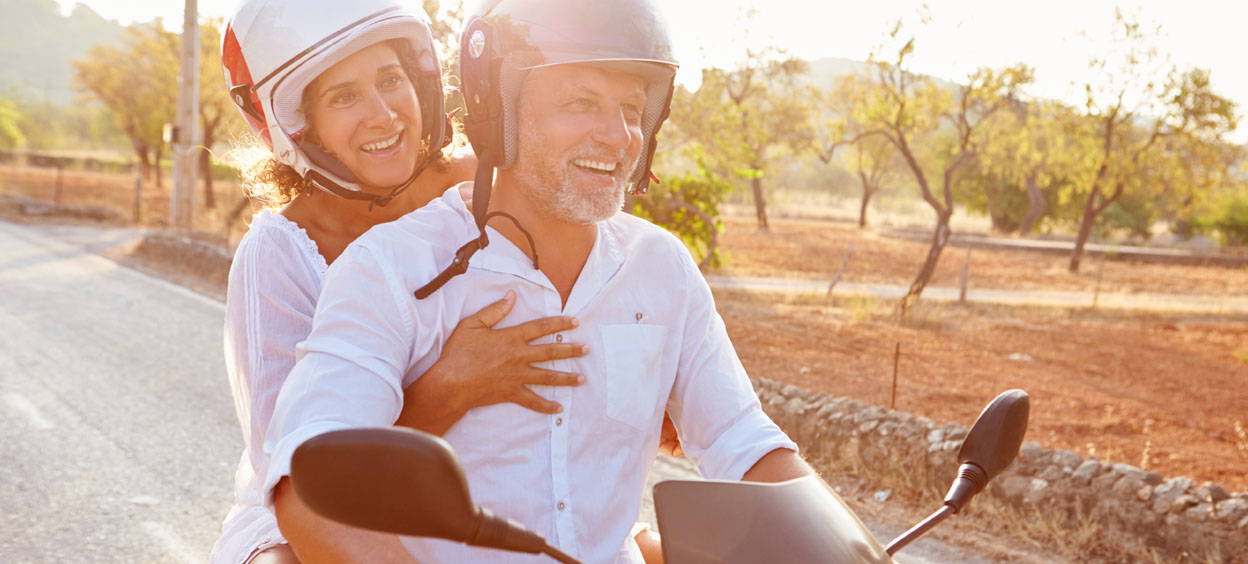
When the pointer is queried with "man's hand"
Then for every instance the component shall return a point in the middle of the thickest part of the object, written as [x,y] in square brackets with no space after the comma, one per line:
[778,465]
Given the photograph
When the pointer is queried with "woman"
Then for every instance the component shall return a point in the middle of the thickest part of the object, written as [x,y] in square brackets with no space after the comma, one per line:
[347,98]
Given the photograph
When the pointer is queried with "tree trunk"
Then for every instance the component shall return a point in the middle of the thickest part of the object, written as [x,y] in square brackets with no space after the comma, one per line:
[760,205]
[205,162]
[145,165]
[867,192]
[1035,206]
[940,238]
[1085,229]
[159,176]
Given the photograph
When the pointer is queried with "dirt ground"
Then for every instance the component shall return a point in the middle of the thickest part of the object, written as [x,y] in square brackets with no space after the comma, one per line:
[1166,393]
[117,191]
[1161,393]
[816,249]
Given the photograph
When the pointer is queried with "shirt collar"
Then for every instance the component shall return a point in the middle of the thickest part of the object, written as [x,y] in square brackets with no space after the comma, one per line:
[502,256]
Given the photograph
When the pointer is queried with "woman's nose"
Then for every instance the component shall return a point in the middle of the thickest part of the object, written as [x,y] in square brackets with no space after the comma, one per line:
[380,114]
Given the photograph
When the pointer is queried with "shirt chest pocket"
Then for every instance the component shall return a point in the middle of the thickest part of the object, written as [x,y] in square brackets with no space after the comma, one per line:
[633,355]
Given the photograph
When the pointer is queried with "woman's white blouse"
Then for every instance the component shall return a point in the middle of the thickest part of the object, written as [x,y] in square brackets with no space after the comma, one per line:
[274,284]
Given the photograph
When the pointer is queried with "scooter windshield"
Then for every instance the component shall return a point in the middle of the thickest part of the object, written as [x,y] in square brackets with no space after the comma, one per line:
[799,521]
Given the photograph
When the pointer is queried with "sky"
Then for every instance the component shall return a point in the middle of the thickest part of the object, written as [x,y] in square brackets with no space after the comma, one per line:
[1056,37]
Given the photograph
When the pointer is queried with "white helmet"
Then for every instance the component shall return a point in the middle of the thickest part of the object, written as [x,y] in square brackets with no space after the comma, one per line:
[272,49]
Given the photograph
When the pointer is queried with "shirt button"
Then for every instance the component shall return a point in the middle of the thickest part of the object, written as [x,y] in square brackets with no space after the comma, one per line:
[562,506]
[558,338]
[558,421]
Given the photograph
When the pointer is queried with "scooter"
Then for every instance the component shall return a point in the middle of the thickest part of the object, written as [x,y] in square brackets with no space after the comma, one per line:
[411,483]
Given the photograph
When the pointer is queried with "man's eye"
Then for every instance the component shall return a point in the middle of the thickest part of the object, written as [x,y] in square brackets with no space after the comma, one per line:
[391,80]
[581,103]
[632,112]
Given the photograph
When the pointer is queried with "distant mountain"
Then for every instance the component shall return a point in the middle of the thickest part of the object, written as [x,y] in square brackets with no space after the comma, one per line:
[37,44]
[825,72]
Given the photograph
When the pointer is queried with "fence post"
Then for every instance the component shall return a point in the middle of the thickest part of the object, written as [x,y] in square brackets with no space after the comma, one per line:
[138,199]
[837,277]
[966,277]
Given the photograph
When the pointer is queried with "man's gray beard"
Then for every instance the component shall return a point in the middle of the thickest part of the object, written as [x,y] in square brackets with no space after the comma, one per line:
[551,190]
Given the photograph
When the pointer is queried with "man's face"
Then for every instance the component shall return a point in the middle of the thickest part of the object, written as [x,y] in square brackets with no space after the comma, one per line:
[579,139]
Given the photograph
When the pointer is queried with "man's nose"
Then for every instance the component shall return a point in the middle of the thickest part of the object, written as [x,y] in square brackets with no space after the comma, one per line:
[613,130]
[380,114]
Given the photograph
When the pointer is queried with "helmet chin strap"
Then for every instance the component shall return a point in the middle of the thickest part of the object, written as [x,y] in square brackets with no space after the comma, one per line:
[317,153]
[482,185]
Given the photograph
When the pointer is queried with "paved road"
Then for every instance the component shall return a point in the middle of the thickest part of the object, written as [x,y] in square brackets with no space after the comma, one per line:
[1059,298]
[117,431]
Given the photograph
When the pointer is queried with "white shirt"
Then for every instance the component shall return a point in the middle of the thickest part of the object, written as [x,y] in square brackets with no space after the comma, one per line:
[655,343]
[275,280]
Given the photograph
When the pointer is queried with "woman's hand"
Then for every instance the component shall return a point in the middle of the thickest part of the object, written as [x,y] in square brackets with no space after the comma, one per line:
[481,365]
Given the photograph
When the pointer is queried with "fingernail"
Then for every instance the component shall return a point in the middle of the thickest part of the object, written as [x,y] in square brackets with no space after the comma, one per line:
[584,349]
[558,409]
[580,379]
[575,323]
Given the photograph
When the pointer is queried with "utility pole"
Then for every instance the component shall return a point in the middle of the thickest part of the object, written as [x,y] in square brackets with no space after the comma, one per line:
[186,133]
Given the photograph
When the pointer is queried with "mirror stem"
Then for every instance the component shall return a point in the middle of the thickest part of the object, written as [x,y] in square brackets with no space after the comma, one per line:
[559,555]
[920,529]
[971,480]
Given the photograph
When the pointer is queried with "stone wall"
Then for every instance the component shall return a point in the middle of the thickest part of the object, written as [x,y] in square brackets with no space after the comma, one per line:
[1175,517]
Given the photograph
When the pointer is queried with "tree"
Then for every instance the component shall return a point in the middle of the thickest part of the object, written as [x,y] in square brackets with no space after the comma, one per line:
[750,112]
[137,83]
[688,206]
[10,125]
[1182,106]
[912,112]
[874,160]
[1026,158]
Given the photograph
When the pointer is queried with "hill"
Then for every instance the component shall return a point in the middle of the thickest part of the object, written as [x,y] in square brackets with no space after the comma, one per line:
[37,44]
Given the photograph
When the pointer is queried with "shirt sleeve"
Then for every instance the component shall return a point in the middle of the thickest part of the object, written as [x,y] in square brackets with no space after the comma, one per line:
[270,300]
[349,373]
[723,428]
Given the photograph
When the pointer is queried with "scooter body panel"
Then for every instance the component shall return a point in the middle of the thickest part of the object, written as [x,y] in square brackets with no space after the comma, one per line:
[799,521]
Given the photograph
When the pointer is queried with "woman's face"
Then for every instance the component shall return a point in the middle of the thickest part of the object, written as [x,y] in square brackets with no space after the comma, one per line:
[366,113]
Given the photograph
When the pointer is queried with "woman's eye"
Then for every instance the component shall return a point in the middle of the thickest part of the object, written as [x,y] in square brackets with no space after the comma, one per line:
[343,98]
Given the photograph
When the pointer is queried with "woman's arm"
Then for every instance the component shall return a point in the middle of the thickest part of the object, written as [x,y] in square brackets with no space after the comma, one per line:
[480,365]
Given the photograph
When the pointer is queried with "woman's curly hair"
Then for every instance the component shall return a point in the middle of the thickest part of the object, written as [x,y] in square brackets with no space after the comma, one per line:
[273,184]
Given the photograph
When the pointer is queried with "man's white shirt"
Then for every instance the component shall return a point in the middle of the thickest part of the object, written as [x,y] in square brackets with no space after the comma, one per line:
[655,343]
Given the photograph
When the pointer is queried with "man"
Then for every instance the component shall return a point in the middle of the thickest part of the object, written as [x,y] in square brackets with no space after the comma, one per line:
[564,98]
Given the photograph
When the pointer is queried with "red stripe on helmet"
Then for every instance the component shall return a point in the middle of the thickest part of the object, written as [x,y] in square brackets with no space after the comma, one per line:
[236,73]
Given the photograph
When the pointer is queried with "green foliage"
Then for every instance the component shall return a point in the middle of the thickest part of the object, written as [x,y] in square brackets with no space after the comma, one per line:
[1228,220]
[688,206]
[10,126]
[1134,214]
